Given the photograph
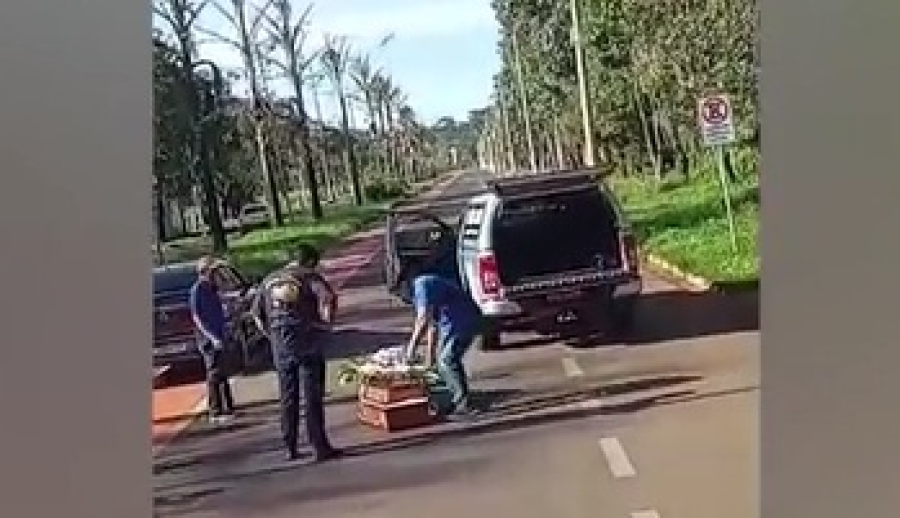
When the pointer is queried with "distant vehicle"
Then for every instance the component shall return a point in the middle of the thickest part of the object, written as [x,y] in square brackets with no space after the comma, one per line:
[174,335]
[550,252]
[254,215]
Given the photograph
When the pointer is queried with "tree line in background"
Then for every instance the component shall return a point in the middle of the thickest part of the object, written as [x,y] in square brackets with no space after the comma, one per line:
[645,66]
[218,151]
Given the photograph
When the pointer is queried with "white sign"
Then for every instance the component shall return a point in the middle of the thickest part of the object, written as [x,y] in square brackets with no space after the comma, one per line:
[716,120]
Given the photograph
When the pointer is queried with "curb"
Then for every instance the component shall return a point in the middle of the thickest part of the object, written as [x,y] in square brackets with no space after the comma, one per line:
[695,282]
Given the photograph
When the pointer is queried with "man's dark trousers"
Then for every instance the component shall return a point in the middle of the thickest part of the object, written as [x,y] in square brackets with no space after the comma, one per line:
[301,378]
[218,387]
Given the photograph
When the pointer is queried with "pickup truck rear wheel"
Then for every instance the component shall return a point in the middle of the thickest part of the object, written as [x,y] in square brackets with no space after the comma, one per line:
[491,337]
[623,316]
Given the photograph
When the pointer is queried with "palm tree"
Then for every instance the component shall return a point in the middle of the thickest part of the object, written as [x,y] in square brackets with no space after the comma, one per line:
[364,75]
[381,90]
[392,97]
[181,17]
[410,139]
[288,34]
[335,60]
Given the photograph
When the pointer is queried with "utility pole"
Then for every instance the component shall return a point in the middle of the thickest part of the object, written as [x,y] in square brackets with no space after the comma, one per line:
[523,97]
[586,118]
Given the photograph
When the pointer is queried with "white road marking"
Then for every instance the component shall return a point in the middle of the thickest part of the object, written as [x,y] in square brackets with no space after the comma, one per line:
[618,461]
[571,368]
[590,404]
[645,514]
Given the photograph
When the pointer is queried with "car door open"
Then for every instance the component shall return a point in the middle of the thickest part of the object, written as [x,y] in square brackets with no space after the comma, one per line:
[415,239]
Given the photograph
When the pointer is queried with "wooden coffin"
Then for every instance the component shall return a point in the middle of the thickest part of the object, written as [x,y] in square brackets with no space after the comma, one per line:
[394,406]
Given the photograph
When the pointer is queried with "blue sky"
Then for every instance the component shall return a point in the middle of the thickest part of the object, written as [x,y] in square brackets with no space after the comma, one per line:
[443,53]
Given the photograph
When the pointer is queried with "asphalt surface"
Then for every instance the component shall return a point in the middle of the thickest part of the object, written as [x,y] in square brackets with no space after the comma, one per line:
[665,425]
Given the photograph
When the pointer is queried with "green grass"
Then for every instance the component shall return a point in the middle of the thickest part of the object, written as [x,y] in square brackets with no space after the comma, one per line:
[260,251]
[685,224]
[263,250]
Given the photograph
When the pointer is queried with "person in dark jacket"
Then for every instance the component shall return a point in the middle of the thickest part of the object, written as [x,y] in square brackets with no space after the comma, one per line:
[295,307]
[208,314]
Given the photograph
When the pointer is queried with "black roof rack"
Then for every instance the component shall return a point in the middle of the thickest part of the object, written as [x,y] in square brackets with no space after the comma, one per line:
[512,185]
[435,203]
[528,184]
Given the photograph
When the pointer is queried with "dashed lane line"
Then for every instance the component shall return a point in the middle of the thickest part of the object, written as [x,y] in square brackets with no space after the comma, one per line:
[618,461]
[571,368]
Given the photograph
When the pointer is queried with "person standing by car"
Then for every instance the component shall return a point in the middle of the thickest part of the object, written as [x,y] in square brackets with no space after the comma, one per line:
[295,307]
[441,303]
[208,314]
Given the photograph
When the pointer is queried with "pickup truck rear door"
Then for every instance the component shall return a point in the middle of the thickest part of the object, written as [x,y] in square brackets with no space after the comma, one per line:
[410,238]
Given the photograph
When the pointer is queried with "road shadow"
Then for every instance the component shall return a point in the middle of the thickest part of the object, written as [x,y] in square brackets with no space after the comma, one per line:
[725,308]
[527,410]
[673,315]
[213,455]
[200,429]
[175,503]
[280,487]
[506,409]
[522,341]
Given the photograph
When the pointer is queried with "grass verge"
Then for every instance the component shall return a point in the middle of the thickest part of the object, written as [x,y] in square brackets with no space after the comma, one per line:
[260,251]
[685,223]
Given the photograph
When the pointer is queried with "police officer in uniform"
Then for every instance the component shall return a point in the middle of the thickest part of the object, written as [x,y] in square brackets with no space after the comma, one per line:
[289,308]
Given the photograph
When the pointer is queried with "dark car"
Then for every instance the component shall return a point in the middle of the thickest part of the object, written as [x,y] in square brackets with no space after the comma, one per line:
[551,252]
[174,333]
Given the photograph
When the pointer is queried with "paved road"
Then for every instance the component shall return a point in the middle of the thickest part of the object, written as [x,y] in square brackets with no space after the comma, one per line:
[663,426]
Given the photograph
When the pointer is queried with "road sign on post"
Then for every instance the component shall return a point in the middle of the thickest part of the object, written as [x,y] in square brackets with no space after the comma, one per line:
[716,121]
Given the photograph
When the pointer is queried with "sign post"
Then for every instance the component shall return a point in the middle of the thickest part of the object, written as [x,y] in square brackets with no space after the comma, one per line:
[717,129]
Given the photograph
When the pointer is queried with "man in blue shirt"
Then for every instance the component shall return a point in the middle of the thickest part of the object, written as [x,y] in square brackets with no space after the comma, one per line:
[208,314]
[440,302]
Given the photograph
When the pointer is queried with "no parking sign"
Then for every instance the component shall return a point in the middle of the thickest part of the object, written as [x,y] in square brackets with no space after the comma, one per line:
[716,120]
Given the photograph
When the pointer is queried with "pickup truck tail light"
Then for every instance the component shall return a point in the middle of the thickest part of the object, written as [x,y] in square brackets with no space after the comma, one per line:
[489,277]
[630,260]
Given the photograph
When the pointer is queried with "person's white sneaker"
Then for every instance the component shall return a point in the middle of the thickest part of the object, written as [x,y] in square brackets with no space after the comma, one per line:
[221,419]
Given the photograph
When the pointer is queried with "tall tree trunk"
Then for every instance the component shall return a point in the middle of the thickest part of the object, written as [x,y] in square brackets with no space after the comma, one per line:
[373,133]
[324,162]
[161,227]
[640,107]
[350,163]
[390,140]
[268,177]
[200,151]
[305,149]
[558,145]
